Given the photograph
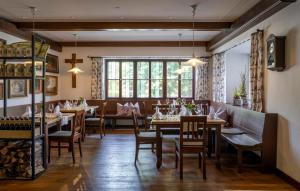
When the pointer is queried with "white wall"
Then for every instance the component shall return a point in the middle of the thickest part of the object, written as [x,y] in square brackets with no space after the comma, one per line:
[27,100]
[84,79]
[236,64]
[282,89]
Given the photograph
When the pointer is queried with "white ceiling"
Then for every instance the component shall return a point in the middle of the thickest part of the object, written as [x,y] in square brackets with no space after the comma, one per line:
[63,36]
[126,10]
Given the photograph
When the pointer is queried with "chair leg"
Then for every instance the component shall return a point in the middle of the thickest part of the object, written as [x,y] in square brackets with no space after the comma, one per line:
[49,151]
[204,165]
[181,165]
[101,131]
[59,149]
[240,160]
[73,151]
[79,144]
[200,160]
[136,151]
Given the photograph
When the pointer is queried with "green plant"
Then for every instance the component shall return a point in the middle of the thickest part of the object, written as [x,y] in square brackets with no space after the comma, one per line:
[189,106]
[179,101]
[81,100]
[242,88]
[236,94]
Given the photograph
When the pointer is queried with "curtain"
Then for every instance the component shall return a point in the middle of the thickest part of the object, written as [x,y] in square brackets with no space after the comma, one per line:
[202,81]
[257,71]
[218,81]
[97,87]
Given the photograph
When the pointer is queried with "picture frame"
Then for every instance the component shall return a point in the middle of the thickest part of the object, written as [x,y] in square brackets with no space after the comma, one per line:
[52,65]
[51,85]
[38,86]
[17,88]
[1,91]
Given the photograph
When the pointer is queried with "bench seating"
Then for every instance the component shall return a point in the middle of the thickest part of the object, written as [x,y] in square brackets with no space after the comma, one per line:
[251,131]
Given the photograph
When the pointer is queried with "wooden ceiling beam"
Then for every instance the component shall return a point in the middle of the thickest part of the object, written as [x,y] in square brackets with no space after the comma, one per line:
[102,26]
[261,11]
[135,44]
[10,28]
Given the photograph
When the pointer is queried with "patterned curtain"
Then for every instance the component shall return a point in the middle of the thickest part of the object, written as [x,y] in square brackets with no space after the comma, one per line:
[218,81]
[97,89]
[202,81]
[257,71]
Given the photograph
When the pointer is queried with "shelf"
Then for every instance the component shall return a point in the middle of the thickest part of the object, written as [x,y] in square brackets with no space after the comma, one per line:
[11,59]
[16,78]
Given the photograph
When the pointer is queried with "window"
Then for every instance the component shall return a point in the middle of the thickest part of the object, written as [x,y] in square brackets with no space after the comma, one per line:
[148,79]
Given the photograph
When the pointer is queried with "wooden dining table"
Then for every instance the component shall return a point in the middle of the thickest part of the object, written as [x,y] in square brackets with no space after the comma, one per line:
[174,122]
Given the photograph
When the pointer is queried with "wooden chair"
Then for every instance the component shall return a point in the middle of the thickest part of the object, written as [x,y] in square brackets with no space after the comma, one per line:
[98,121]
[71,137]
[142,137]
[193,139]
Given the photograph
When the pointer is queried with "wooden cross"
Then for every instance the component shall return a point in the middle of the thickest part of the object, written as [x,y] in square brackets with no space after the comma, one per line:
[73,61]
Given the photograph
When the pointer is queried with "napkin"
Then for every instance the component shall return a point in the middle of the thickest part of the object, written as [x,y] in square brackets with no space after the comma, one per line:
[67,105]
[57,111]
[211,114]
[64,120]
[28,112]
[182,111]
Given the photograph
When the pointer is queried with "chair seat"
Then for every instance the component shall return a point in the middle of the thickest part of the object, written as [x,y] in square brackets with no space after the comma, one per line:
[93,119]
[61,134]
[188,143]
[148,134]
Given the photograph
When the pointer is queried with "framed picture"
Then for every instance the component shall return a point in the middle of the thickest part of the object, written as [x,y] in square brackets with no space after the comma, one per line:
[17,88]
[52,63]
[51,85]
[38,86]
[1,91]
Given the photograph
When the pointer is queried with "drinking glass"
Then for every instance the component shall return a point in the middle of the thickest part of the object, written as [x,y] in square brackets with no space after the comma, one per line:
[51,108]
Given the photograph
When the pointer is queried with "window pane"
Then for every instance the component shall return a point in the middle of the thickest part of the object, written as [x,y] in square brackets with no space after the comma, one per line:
[113,70]
[186,88]
[156,88]
[143,88]
[127,88]
[171,70]
[113,88]
[127,70]
[187,72]
[143,70]
[172,88]
[157,70]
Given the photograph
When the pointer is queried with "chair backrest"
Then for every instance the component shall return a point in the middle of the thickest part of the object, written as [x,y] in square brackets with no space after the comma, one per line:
[103,111]
[78,121]
[135,124]
[193,129]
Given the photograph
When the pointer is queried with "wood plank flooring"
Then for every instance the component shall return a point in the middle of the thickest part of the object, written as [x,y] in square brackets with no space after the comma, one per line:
[108,164]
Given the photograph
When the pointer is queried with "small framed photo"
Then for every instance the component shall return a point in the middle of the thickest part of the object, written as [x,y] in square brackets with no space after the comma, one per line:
[17,88]
[51,85]
[38,86]
[52,63]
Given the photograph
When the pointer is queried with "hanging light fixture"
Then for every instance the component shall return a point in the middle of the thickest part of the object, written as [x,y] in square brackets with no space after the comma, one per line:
[179,71]
[75,70]
[194,61]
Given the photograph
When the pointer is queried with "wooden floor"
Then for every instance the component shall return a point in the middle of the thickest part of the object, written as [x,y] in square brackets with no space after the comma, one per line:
[108,165]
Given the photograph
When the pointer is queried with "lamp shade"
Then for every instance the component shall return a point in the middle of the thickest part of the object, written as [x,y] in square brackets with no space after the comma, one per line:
[75,70]
[194,61]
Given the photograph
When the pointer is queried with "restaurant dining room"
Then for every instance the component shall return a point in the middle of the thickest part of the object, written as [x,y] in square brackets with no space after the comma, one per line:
[149,95]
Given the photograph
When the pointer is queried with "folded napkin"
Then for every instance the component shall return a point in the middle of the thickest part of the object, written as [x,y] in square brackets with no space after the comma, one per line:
[67,105]
[28,112]
[183,111]
[57,111]
[64,120]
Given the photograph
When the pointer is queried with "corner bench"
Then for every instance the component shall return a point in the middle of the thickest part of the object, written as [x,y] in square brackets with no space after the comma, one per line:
[251,131]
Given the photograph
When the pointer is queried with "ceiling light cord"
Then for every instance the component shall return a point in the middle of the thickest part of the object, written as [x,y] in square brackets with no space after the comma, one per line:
[33,12]
[194,13]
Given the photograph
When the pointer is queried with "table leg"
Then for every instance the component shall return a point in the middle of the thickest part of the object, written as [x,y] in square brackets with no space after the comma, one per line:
[158,148]
[209,142]
[218,145]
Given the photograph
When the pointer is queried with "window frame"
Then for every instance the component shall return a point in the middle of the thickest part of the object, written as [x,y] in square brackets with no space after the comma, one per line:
[164,79]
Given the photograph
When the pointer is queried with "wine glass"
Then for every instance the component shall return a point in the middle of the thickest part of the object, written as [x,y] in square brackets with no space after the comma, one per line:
[51,108]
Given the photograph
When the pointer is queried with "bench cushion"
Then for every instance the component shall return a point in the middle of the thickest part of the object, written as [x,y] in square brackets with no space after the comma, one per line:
[232,131]
[241,140]
[148,134]
[61,134]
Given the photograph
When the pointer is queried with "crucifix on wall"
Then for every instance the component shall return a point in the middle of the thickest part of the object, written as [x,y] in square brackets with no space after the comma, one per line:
[73,61]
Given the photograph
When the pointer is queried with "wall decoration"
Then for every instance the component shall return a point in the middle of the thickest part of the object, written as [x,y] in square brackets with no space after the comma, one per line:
[10,70]
[276,52]
[38,86]
[19,70]
[52,63]
[51,85]
[1,91]
[17,88]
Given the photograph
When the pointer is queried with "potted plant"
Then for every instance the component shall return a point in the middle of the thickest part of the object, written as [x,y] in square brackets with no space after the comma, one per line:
[237,100]
[189,109]
[242,90]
